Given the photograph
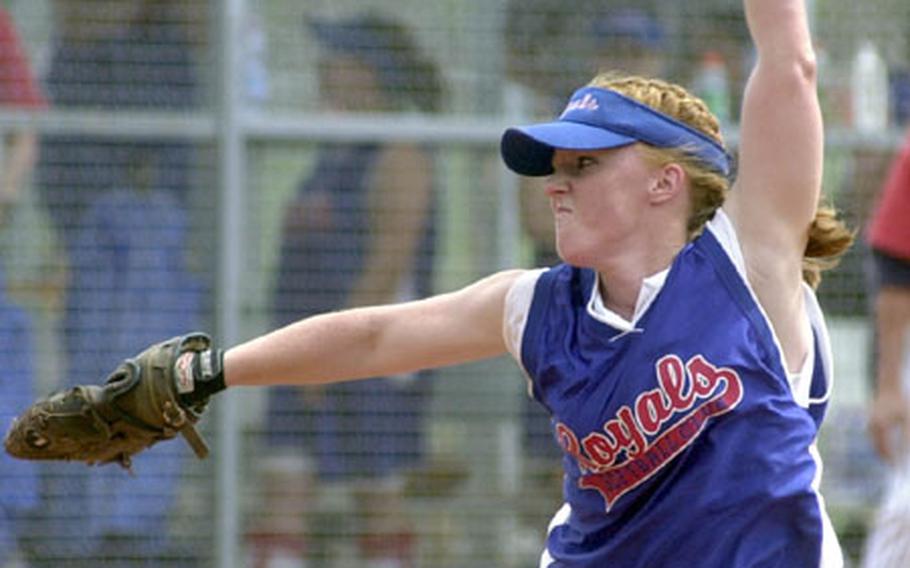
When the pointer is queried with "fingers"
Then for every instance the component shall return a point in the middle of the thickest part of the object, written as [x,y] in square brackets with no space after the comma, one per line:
[878,432]
[889,428]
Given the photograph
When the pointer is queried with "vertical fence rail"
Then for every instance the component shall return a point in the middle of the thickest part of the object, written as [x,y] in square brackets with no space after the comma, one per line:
[232,177]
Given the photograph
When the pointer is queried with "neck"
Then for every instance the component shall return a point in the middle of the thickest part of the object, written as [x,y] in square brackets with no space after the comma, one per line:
[621,277]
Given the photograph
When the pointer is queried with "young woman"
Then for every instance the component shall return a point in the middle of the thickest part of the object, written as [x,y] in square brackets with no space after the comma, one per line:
[679,348]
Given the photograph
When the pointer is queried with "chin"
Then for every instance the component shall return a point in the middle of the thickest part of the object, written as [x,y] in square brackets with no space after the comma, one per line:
[573,256]
[577,247]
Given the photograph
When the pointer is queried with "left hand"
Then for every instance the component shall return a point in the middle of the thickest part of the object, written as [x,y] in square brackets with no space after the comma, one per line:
[139,405]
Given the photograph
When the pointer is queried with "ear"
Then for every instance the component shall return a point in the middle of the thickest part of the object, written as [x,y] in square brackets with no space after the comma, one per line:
[668,182]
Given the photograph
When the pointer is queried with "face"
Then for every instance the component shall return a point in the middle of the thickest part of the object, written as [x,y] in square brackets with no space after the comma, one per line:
[598,200]
[348,84]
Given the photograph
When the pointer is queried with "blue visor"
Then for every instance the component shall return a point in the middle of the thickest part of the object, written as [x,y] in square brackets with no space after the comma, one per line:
[600,119]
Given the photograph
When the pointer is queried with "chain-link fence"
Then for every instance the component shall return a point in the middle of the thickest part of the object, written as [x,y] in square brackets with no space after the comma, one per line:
[233,166]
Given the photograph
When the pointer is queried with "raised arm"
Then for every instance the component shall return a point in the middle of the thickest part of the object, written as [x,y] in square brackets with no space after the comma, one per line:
[780,157]
[21,151]
[457,327]
[775,195]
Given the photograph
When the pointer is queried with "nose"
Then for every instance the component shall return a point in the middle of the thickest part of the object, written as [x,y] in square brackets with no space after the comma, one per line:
[556,184]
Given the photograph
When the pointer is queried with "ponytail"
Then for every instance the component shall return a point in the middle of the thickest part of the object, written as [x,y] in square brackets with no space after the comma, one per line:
[829,239]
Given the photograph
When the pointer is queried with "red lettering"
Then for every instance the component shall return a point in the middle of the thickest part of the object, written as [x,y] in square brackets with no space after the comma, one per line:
[624,430]
[680,387]
[569,444]
[671,376]
[652,409]
[615,482]
[704,375]
[600,449]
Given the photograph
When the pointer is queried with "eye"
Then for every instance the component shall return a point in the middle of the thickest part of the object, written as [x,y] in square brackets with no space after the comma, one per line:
[583,162]
[574,164]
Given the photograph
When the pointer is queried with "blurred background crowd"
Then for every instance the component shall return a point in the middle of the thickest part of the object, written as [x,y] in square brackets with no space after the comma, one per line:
[233,165]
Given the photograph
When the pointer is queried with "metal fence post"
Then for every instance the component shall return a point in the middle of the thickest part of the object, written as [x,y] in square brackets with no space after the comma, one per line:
[232,178]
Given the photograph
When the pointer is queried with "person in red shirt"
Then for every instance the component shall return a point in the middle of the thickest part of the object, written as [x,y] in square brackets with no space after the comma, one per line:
[18,481]
[889,239]
[19,90]
[889,414]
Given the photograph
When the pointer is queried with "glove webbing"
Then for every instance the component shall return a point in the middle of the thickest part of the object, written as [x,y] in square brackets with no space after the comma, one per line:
[126,381]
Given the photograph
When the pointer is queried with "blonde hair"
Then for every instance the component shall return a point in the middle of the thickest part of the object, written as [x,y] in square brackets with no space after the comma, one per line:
[829,238]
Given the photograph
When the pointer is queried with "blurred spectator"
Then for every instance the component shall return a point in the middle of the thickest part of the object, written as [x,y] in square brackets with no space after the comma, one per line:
[18,479]
[539,36]
[889,415]
[621,37]
[629,40]
[119,204]
[18,90]
[551,46]
[729,46]
[359,231]
[129,285]
[129,55]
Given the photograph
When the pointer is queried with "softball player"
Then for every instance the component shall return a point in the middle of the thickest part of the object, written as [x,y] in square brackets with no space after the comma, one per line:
[679,348]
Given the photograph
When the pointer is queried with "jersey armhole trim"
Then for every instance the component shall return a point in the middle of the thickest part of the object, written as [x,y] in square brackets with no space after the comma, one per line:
[540,304]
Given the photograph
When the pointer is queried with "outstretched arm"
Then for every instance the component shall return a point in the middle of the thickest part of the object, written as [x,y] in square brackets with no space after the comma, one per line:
[457,327]
[781,141]
[162,391]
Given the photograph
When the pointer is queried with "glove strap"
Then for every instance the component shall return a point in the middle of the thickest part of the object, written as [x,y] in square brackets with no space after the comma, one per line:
[208,377]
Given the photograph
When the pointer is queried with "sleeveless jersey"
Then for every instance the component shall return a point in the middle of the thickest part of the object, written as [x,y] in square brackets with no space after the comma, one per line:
[684,442]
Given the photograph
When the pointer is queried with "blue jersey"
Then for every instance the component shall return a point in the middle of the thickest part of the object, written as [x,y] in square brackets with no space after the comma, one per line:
[685,442]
